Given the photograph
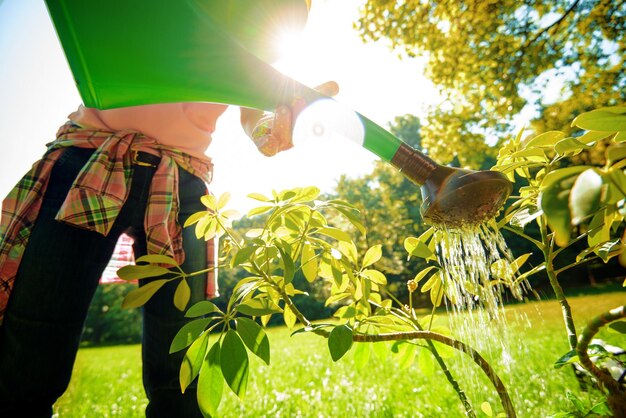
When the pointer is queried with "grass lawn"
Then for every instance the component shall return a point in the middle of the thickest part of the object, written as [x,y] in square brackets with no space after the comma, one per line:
[302,380]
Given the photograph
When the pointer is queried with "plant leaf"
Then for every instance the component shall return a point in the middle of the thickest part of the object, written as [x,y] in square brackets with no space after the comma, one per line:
[352,215]
[209,201]
[307,194]
[157,259]
[615,153]
[182,295]
[348,249]
[584,198]
[204,307]
[193,360]
[576,402]
[223,201]
[196,217]
[243,255]
[234,363]
[591,137]
[258,307]
[608,119]
[258,210]
[560,174]
[259,197]
[524,216]
[254,337]
[335,233]
[426,363]
[345,312]
[210,382]
[618,326]
[361,354]
[600,229]
[407,354]
[594,350]
[372,255]
[486,408]
[435,285]
[142,294]
[420,275]
[141,272]
[188,333]
[339,341]
[417,248]
[546,139]
[289,267]
[554,201]
[289,317]
[570,146]
[309,262]
[375,276]
[602,409]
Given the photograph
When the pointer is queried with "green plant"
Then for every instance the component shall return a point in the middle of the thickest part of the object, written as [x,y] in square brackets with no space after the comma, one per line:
[572,204]
[295,237]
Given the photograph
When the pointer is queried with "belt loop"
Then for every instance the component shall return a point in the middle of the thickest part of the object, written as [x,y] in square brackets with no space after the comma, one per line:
[136,157]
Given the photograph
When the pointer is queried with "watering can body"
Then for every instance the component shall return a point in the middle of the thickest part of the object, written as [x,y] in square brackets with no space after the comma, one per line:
[128,53]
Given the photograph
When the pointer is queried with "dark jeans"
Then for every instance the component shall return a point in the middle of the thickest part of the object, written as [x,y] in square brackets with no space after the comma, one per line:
[56,281]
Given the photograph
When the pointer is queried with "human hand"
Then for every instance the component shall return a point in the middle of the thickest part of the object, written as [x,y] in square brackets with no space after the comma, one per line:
[274,133]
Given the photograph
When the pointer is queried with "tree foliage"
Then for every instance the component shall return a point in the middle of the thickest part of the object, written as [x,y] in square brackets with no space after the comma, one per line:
[107,322]
[487,57]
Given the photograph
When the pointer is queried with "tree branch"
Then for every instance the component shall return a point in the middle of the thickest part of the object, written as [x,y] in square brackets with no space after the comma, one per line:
[554,24]
[617,396]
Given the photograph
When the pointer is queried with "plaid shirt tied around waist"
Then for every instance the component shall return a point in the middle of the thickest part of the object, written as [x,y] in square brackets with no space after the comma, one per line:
[98,194]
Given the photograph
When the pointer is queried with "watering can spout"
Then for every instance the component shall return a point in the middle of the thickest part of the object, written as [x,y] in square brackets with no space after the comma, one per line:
[453,197]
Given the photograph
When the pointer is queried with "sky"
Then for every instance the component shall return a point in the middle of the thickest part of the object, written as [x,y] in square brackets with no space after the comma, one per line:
[37,93]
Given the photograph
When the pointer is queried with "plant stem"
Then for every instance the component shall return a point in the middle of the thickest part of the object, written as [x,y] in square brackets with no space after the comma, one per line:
[413,321]
[523,235]
[505,399]
[586,260]
[455,385]
[428,336]
[575,240]
[617,396]
[556,286]
[444,367]
[565,307]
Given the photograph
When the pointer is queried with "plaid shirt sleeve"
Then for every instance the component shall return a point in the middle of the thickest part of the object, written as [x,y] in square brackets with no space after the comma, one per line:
[97,196]
[19,212]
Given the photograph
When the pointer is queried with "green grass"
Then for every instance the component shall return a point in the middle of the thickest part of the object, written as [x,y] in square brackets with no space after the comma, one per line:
[302,380]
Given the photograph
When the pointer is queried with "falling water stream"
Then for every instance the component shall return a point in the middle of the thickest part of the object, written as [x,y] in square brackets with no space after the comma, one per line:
[477,269]
[479,276]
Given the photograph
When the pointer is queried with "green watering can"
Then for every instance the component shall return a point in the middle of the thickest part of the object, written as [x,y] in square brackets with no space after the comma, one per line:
[137,52]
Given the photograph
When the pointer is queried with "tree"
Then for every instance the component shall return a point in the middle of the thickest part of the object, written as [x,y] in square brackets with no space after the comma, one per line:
[488,56]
